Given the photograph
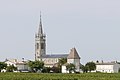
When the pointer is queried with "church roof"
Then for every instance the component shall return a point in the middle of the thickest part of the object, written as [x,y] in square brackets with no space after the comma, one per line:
[55,56]
[73,54]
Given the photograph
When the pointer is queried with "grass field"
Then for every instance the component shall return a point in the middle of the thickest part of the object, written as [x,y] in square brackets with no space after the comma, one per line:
[56,76]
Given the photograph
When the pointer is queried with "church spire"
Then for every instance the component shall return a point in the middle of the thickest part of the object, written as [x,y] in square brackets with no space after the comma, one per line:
[40,42]
[40,30]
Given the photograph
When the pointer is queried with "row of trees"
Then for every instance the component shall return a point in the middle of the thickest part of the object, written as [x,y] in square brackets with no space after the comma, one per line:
[38,66]
[35,66]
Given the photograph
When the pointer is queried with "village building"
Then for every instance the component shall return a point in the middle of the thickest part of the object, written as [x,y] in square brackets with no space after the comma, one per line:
[20,65]
[107,67]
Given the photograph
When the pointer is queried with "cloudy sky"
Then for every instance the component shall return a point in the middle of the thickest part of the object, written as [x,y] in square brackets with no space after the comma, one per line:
[92,26]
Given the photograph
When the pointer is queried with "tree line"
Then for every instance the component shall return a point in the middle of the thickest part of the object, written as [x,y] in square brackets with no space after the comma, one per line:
[38,66]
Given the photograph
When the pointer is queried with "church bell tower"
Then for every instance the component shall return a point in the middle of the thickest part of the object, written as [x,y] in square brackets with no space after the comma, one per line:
[40,43]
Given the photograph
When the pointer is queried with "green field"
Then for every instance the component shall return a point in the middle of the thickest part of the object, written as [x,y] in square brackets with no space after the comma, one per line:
[58,76]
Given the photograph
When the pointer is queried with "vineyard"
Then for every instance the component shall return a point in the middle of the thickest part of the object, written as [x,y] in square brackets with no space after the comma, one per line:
[58,76]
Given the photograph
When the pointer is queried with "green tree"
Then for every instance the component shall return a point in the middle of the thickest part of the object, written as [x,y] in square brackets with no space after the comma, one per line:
[61,62]
[2,66]
[55,69]
[70,67]
[90,66]
[11,68]
[119,70]
[36,65]
[46,69]
[84,68]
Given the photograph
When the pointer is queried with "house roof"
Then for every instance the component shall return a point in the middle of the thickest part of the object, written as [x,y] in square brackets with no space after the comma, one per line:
[22,63]
[55,56]
[105,63]
[73,54]
[15,61]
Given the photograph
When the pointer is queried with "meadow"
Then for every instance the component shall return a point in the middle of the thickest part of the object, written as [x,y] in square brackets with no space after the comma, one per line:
[58,76]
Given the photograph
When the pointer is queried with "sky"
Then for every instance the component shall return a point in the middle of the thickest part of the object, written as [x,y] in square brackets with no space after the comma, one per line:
[91,26]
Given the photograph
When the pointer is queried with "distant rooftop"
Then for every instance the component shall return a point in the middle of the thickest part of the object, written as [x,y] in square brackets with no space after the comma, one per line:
[73,54]
[106,63]
[15,61]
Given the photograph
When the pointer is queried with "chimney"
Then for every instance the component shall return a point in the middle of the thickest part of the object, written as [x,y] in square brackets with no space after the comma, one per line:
[97,61]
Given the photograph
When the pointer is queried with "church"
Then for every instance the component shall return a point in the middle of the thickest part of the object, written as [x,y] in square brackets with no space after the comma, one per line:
[51,60]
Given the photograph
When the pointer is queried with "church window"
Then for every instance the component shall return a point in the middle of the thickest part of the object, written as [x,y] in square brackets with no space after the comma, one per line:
[37,45]
[42,45]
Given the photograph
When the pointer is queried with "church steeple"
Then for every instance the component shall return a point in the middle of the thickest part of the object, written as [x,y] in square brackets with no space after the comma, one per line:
[40,42]
[40,30]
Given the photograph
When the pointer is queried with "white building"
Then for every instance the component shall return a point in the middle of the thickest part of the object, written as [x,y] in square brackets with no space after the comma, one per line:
[72,58]
[21,65]
[109,67]
[64,68]
[11,62]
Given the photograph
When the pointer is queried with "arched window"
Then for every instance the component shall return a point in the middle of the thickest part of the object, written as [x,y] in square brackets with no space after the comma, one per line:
[42,46]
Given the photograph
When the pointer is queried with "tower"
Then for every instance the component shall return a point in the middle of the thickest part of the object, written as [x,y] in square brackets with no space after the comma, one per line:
[74,58]
[40,42]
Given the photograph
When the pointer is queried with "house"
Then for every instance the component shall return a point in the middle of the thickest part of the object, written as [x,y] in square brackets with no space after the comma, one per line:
[21,65]
[107,67]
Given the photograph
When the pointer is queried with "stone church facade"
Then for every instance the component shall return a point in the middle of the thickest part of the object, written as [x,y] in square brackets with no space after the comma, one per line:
[52,59]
